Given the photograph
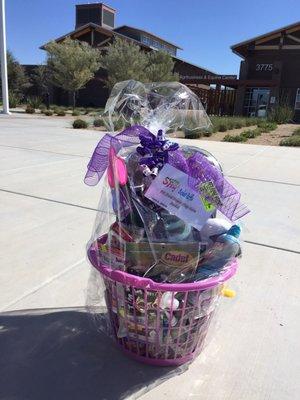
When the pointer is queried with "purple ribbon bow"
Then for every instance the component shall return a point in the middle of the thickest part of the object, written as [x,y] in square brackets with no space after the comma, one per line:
[135,134]
[203,177]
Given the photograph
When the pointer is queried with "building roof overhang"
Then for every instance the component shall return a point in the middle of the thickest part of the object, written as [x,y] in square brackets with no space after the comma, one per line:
[241,48]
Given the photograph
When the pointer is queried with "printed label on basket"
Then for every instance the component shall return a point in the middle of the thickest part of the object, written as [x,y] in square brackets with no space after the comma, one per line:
[171,191]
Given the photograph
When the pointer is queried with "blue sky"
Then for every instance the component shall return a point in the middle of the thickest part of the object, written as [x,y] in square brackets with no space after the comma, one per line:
[205,29]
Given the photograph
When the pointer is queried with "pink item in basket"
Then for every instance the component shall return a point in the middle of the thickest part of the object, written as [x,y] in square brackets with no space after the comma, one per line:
[116,170]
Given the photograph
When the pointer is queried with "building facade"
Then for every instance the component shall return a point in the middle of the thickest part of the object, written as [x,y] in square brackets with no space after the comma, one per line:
[269,73]
[95,24]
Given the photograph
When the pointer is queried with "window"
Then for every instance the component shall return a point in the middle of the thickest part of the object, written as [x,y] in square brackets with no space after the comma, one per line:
[256,102]
[158,45]
[297,100]
[108,18]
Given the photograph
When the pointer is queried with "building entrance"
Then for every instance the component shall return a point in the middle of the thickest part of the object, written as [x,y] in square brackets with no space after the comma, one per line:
[256,102]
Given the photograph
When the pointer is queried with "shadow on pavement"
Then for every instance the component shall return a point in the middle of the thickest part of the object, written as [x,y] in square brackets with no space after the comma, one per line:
[60,355]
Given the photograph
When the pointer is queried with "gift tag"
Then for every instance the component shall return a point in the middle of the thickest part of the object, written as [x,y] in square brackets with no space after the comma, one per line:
[171,191]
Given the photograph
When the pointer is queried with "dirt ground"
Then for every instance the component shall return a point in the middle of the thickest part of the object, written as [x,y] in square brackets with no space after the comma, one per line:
[271,139]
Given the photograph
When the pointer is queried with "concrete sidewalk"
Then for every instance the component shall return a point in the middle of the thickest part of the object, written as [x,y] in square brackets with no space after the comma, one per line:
[47,214]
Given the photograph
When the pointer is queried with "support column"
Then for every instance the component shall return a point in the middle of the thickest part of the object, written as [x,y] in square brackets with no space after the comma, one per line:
[3,59]
[239,100]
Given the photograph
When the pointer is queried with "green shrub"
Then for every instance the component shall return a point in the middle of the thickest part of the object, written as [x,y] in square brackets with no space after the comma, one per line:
[265,126]
[222,127]
[281,114]
[30,110]
[48,113]
[98,122]
[42,108]
[192,134]
[207,132]
[118,125]
[293,141]
[80,124]
[34,101]
[14,99]
[75,113]
[251,134]
[296,132]
[230,138]
[88,110]
[61,113]
[238,125]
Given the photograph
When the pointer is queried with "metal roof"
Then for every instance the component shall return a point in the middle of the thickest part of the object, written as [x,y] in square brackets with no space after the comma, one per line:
[148,33]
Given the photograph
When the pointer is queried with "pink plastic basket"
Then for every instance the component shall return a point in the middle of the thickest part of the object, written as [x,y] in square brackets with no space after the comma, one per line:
[158,323]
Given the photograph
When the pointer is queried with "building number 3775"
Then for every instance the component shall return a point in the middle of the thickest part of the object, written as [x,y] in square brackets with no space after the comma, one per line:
[264,67]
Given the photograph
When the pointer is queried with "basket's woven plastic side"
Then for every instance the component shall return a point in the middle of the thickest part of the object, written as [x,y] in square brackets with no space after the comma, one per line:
[164,327]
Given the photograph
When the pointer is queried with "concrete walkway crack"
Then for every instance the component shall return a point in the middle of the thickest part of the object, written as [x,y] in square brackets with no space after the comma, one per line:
[42,285]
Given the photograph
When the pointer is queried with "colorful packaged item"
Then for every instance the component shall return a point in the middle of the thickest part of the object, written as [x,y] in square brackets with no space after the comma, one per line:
[160,252]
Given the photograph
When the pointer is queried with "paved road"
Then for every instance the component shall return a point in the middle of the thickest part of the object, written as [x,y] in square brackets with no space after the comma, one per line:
[47,215]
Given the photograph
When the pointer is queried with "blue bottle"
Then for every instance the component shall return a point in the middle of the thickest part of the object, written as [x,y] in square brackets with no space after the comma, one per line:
[223,250]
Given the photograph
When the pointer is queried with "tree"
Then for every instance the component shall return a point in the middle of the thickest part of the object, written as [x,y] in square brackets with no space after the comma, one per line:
[42,81]
[160,67]
[125,60]
[72,64]
[18,82]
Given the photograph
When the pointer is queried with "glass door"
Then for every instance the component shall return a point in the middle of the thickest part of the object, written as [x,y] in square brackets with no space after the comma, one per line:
[256,102]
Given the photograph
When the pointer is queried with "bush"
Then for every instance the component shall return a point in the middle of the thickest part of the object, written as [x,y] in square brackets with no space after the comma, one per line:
[281,114]
[238,125]
[88,110]
[296,132]
[61,113]
[75,113]
[207,132]
[30,110]
[251,134]
[98,122]
[265,126]
[230,138]
[48,113]
[80,124]
[34,101]
[222,127]
[42,108]
[192,134]
[118,125]
[14,99]
[293,141]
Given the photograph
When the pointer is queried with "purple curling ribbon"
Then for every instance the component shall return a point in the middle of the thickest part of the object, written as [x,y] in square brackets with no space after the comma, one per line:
[135,134]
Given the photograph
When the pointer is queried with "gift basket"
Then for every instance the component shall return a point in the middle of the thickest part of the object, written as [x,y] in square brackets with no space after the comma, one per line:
[166,236]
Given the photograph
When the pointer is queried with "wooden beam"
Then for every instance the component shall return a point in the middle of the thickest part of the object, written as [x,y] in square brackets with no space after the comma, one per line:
[297,28]
[291,47]
[275,47]
[296,39]
[103,42]
[78,34]
[266,39]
